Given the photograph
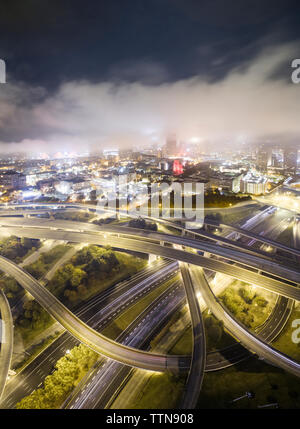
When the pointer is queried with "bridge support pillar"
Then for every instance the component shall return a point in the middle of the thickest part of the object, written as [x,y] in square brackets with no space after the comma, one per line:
[152,258]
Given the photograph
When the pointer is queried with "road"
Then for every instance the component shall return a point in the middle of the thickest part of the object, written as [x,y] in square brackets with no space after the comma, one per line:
[153,246]
[246,274]
[18,208]
[107,347]
[198,362]
[250,340]
[104,382]
[85,333]
[116,299]
[296,233]
[7,340]
[256,262]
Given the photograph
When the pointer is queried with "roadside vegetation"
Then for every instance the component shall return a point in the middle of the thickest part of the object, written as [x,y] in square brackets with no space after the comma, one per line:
[216,337]
[142,224]
[80,216]
[91,271]
[216,199]
[16,249]
[69,370]
[162,391]
[33,351]
[232,217]
[246,304]
[32,320]
[11,288]
[269,385]
[42,265]
[284,342]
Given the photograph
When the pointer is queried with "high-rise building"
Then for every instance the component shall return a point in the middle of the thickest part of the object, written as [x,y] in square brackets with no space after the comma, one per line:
[290,159]
[263,158]
[12,180]
[171,146]
[251,184]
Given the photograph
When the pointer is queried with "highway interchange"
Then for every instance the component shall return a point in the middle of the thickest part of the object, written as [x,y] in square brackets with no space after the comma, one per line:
[243,265]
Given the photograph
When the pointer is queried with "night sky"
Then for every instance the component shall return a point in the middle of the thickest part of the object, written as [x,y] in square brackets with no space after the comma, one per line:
[115,72]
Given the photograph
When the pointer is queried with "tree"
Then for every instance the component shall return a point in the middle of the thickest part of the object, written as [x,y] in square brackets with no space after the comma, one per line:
[77,276]
[82,290]
[247,293]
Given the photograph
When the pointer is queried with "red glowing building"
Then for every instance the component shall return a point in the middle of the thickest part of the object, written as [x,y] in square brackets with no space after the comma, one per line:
[177,167]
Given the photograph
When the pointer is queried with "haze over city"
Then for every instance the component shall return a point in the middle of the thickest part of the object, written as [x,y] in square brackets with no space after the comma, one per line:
[124,82]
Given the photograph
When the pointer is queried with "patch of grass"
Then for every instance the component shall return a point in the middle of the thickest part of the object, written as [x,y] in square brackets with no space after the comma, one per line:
[231,217]
[284,342]
[269,385]
[17,249]
[35,350]
[216,337]
[162,391]
[184,345]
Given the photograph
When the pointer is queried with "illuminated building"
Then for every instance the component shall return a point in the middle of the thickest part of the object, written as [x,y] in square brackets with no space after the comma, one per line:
[177,167]
[290,160]
[253,184]
[12,180]
[171,146]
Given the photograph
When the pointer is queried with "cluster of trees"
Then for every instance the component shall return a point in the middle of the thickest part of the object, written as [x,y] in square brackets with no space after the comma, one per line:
[103,221]
[46,199]
[214,199]
[241,304]
[142,224]
[15,248]
[38,268]
[214,331]
[33,317]
[69,370]
[75,216]
[74,279]
[11,288]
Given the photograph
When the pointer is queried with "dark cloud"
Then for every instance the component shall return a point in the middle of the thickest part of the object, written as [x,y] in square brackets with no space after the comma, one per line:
[113,72]
[247,105]
[48,42]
